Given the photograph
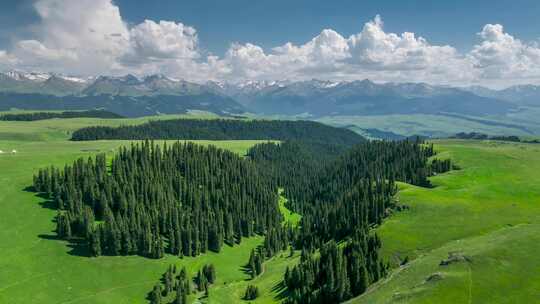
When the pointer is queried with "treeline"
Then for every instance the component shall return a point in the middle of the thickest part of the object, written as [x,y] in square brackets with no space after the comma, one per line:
[481,136]
[224,129]
[295,164]
[182,199]
[336,273]
[67,114]
[178,285]
[355,191]
[186,199]
[340,198]
[336,194]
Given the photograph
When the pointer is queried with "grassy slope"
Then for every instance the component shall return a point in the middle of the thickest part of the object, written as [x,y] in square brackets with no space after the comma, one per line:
[36,269]
[269,281]
[291,217]
[438,125]
[61,129]
[489,211]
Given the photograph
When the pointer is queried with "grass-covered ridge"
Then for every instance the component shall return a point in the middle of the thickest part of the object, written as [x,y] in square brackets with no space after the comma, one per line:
[38,268]
[488,212]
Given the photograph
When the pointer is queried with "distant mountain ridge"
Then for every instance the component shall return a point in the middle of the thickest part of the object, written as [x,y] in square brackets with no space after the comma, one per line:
[523,95]
[364,97]
[155,94]
[126,95]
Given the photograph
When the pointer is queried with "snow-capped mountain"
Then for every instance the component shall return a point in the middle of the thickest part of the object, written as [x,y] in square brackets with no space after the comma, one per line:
[313,97]
[22,76]
[42,83]
[244,92]
[364,97]
[126,95]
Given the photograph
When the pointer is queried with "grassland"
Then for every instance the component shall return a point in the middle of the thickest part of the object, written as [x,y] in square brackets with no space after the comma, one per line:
[488,213]
[37,268]
[523,123]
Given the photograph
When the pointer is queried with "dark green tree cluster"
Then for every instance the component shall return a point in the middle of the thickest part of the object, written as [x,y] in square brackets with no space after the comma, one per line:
[294,164]
[337,273]
[223,129]
[66,114]
[184,200]
[338,197]
[481,136]
[205,277]
[252,293]
[175,284]
[255,264]
[441,166]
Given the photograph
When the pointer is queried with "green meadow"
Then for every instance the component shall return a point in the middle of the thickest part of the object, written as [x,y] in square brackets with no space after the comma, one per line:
[37,268]
[487,215]
[522,123]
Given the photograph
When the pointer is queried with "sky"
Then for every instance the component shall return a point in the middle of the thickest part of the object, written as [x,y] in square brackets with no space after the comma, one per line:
[491,43]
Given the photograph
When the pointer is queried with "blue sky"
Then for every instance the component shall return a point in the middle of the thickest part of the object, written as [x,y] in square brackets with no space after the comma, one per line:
[244,35]
[271,23]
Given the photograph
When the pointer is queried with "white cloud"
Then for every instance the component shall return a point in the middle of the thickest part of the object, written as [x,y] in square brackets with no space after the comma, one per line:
[501,56]
[371,53]
[83,36]
[90,37]
[164,40]
[7,60]
[375,49]
[325,51]
[33,52]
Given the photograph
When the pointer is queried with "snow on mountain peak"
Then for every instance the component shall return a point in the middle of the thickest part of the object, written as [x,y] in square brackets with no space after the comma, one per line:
[33,76]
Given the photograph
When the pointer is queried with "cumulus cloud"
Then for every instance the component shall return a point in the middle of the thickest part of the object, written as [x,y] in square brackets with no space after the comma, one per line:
[163,40]
[83,36]
[90,37]
[371,53]
[501,56]
[7,60]
[323,52]
[376,49]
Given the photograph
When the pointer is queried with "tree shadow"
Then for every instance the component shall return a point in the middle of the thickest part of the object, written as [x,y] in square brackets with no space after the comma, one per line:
[45,202]
[77,246]
[48,205]
[246,270]
[49,237]
[29,189]
[281,290]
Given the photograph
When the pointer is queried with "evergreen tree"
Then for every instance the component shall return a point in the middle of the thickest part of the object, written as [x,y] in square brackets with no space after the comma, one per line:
[252,293]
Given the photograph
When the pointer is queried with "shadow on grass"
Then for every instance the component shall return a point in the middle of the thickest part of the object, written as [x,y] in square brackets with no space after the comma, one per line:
[46,201]
[77,246]
[281,291]
[246,270]
[48,205]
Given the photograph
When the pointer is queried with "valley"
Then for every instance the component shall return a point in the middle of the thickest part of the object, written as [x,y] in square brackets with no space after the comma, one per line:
[486,211]
[269,152]
[405,109]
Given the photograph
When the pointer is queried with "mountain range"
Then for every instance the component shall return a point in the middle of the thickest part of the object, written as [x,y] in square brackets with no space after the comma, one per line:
[157,94]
